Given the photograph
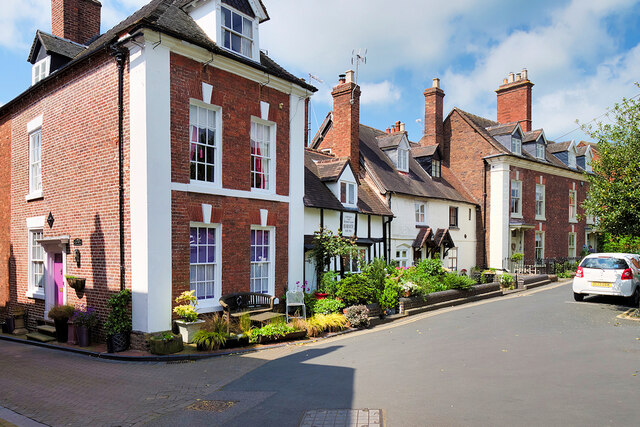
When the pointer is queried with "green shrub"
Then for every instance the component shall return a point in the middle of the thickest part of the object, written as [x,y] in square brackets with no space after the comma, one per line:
[390,296]
[376,272]
[274,329]
[211,340]
[118,321]
[187,308]
[328,306]
[328,282]
[61,312]
[320,323]
[356,289]
[430,267]
[453,281]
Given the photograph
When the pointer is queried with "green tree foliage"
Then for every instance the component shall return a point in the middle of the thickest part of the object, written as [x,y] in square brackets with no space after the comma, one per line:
[327,245]
[614,188]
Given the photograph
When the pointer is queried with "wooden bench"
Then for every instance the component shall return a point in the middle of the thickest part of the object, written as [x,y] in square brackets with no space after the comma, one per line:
[258,306]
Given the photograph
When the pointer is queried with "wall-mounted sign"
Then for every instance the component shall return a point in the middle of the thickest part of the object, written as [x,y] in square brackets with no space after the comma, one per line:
[348,224]
[77,242]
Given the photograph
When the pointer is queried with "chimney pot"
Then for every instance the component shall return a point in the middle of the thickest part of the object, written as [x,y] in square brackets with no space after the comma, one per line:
[524,74]
[388,129]
[504,81]
[436,83]
[511,77]
[341,78]
[401,127]
[350,76]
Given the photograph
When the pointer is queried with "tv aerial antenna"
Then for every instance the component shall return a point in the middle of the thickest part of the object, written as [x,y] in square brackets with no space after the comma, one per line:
[357,58]
[319,80]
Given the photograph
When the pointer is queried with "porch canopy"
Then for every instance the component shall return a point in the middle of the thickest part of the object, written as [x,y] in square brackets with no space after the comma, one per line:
[431,241]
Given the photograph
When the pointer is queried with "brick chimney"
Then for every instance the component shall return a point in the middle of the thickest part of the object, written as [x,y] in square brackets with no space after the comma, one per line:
[75,20]
[433,119]
[514,100]
[344,137]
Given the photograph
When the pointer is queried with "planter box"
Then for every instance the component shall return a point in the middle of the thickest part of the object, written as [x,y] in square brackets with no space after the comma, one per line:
[117,342]
[159,346]
[189,329]
[237,341]
[288,337]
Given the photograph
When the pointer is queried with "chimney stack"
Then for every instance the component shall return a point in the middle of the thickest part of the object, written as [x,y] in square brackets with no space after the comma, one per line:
[75,20]
[433,115]
[344,137]
[514,100]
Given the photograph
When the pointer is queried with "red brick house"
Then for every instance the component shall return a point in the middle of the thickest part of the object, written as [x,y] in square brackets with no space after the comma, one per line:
[529,198]
[163,155]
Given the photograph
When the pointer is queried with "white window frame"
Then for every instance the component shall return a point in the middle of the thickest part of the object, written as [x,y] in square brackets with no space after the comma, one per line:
[205,304]
[271,265]
[403,160]
[457,217]
[573,207]
[350,193]
[402,256]
[540,202]
[436,168]
[516,145]
[421,213]
[539,245]
[35,163]
[217,147]
[40,70]
[35,225]
[270,173]
[571,253]
[252,39]
[354,265]
[452,259]
[515,213]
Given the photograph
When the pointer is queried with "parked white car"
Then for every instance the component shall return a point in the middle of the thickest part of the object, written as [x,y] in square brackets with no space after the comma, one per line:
[615,274]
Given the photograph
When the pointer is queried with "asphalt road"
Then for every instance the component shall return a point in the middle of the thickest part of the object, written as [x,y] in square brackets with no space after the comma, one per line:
[531,359]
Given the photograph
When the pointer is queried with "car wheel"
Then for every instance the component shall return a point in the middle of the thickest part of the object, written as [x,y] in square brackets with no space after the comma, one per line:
[634,300]
[578,297]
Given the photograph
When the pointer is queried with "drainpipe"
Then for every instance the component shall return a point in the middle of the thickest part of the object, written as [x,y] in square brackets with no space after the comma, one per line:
[121,59]
[484,213]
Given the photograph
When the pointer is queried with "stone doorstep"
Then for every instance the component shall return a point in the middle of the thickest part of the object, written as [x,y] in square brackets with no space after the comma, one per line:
[47,330]
[452,303]
[37,336]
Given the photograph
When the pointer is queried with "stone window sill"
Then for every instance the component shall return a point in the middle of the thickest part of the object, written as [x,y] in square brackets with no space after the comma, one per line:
[34,196]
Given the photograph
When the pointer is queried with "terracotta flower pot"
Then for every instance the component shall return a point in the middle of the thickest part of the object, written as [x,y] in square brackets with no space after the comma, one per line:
[321,295]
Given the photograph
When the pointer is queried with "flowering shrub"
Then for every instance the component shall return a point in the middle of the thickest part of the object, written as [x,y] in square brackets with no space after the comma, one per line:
[187,308]
[409,287]
[85,316]
[357,316]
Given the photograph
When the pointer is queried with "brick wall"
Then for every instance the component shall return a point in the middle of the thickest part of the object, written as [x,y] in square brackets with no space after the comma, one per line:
[514,103]
[79,180]
[5,209]
[75,20]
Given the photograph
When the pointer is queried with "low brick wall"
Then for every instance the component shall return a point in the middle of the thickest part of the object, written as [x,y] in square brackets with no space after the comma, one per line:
[449,295]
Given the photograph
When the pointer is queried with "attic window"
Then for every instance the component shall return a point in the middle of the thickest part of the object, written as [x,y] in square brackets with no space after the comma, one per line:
[40,70]
[516,144]
[435,168]
[403,160]
[540,151]
[348,193]
[237,32]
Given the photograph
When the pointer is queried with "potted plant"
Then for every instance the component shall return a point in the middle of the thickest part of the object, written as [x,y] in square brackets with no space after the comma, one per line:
[76,283]
[165,343]
[84,318]
[213,334]
[188,324]
[117,327]
[60,314]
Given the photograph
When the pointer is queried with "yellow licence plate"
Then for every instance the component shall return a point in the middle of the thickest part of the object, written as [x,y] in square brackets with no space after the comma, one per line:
[601,284]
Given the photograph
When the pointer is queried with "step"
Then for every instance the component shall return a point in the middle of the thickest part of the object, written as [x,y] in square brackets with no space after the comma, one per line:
[453,303]
[47,330]
[37,336]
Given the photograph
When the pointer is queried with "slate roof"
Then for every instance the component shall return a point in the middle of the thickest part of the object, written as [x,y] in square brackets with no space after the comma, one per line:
[54,44]
[558,147]
[531,136]
[428,150]
[581,151]
[504,129]
[330,169]
[318,195]
[416,183]
[389,140]
[168,17]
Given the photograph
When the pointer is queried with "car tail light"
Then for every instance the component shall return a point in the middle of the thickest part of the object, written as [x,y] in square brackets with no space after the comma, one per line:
[627,274]
[579,272]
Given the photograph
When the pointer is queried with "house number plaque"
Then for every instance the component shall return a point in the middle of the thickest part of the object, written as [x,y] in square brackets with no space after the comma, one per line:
[77,242]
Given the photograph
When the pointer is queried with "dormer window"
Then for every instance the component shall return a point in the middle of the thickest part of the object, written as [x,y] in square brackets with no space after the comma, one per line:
[40,70]
[348,195]
[571,159]
[540,151]
[435,168]
[403,160]
[516,144]
[237,32]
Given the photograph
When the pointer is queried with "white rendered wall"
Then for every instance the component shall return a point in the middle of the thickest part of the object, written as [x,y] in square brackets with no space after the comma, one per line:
[363,226]
[150,193]
[296,190]
[499,216]
[376,226]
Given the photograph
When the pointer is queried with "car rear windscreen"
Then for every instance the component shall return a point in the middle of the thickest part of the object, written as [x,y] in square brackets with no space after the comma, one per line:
[605,263]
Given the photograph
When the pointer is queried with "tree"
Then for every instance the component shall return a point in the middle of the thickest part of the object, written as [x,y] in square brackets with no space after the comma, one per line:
[327,245]
[614,186]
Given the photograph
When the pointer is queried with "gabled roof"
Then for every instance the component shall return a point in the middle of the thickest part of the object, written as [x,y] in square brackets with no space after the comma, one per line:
[558,147]
[503,129]
[390,140]
[54,44]
[330,169]
[426,151]
[532,136]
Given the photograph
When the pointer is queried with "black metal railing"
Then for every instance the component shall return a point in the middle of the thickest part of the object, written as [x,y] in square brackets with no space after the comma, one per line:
[541,266]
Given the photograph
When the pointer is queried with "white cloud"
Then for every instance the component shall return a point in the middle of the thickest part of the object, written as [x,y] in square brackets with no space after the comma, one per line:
[383,93]
[19,21]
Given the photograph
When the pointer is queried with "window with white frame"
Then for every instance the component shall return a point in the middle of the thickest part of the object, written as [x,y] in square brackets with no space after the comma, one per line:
[40,70]
[348,194]
[402,257]
[540,151]
[36,262]
[421,210]
[262,267]
[204,263]
[204,142]
[353,262]
[453,216]
[403,160]
[452,259]
[262,151]
[573,206]
[435,168]
[540,195]
[539,245]
[35,166]
[516,198]
[572,245]
[516,144]
[237,32]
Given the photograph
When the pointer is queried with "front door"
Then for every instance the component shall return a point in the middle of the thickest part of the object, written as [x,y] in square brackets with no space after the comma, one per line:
[517,241]
[58,280]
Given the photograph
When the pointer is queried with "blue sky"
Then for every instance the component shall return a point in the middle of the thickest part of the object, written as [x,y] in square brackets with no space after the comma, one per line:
[582,55]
